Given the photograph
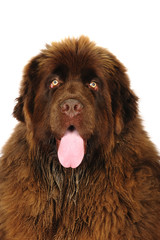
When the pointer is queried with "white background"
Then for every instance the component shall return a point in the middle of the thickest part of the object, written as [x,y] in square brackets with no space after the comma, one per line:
[128,28]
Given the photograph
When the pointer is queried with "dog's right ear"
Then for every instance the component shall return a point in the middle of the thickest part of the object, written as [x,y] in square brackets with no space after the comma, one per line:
[18,109]
[27,90]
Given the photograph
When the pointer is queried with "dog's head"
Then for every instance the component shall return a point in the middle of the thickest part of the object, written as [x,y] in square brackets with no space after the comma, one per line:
[79,88]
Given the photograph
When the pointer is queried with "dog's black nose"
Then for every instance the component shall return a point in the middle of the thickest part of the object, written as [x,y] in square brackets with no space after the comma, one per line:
[71,107]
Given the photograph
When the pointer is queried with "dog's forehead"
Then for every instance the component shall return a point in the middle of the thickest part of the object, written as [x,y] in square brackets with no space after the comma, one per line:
[75,54]
[79,55]
[76,73]
[78,58]
[75,65]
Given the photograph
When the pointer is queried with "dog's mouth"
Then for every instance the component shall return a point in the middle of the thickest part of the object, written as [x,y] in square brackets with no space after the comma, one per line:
[71,148]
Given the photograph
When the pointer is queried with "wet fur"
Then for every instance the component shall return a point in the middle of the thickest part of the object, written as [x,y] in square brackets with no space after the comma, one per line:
[115,193]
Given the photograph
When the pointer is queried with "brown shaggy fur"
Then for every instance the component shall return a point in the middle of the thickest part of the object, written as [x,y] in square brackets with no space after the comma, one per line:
[115,193]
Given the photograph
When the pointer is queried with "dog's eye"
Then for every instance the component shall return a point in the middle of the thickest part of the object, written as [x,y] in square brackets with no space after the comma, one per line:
[54,83]
[93,85]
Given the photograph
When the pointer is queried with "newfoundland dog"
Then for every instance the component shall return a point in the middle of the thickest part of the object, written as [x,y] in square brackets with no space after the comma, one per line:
[79,165]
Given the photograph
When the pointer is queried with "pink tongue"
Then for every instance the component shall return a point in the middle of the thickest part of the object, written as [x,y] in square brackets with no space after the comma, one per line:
[71,149]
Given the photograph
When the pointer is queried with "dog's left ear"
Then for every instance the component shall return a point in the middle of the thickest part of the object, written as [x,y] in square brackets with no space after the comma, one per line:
[124,101]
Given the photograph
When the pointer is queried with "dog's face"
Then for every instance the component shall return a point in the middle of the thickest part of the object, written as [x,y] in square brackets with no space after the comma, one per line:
[74,85]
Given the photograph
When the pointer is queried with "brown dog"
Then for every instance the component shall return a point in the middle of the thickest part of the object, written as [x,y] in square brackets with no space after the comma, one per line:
[79,164]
